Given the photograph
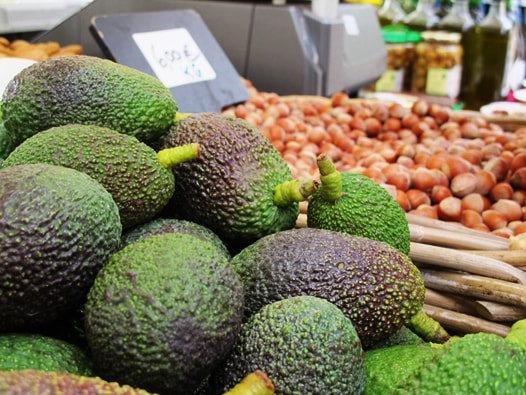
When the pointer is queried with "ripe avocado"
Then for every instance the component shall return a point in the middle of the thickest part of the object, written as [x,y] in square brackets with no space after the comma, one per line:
[234,187]
[356,204]
[376,286]
[403,336]
[87,90]
[304,344]
[6,142]
[129,170]
[26,382]
[19,351]
[58,227]
[163,313]
[478,363]
[172,225]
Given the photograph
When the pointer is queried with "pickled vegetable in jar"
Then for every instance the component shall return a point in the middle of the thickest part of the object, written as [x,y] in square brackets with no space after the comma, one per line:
[437,68]
[400,43]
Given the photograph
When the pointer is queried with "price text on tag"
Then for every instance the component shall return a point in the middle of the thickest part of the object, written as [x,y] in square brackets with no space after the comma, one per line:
[174,57]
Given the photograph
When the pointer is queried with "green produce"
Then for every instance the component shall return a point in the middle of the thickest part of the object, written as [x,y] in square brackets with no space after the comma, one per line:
[517,333]
[139,180]
[255,383]
[33,382]
[387,367]
[172,225]
[373,283]
[480,363]
[19,351]
[163,313]
[304,344]
[240,187]
[6,142]
[87,90]
[356,204]
[403,336]
[58,227]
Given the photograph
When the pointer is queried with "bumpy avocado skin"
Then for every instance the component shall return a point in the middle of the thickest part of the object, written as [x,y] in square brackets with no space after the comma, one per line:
[365,209]
[126,167]
[172,225]
[386,367]
[163,312]
[374,284]
[229,188]
[304,344]
[58,227]
[480,363]
[403,336]
[31,382]
[88,90]
[19,351]
[6,142]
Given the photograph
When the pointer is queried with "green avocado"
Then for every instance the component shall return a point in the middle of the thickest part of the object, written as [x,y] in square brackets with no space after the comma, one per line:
[477,363]
[130,170]
[163,312]
[376,286]
[32,382]
[58,227]
[19,351]
[6,142]
[304,344]
[240,187]
[172,225]
[356,204]
[388,366]
[87,90]
[403,336]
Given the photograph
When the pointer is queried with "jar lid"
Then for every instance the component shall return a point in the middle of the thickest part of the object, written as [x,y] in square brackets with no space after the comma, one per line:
[400,34]
[441,36]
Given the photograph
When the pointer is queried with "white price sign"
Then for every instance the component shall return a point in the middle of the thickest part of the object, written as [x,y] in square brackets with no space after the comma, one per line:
[174,57]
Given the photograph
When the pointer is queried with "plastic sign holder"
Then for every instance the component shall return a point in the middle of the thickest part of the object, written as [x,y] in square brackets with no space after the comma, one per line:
[177,48]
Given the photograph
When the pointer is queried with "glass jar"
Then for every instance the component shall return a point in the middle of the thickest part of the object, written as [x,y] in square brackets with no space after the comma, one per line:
[437,68]
[400,43]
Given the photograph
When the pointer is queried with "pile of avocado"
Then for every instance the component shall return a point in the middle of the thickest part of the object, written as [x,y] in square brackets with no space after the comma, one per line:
[144,251]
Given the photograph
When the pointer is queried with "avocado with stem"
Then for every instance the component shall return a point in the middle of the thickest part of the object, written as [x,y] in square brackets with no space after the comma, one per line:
[240,187]
[376,285]
[138,178]
[353,203]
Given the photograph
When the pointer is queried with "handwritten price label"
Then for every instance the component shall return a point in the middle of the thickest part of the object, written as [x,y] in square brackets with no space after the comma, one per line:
[174,57]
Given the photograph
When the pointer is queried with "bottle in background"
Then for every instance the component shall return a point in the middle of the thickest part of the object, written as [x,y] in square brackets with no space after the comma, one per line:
[458,19]
[424,17]
[391,13]
[490,46]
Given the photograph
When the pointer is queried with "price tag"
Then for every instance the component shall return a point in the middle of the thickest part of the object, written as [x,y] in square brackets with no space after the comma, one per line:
[174,57]
[176,47]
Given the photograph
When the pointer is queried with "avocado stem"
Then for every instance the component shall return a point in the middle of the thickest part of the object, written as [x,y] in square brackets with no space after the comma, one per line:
[182,115]
[255,383]
[331,179]
[517,333]
[427,328]
[170,157]
[293,191]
